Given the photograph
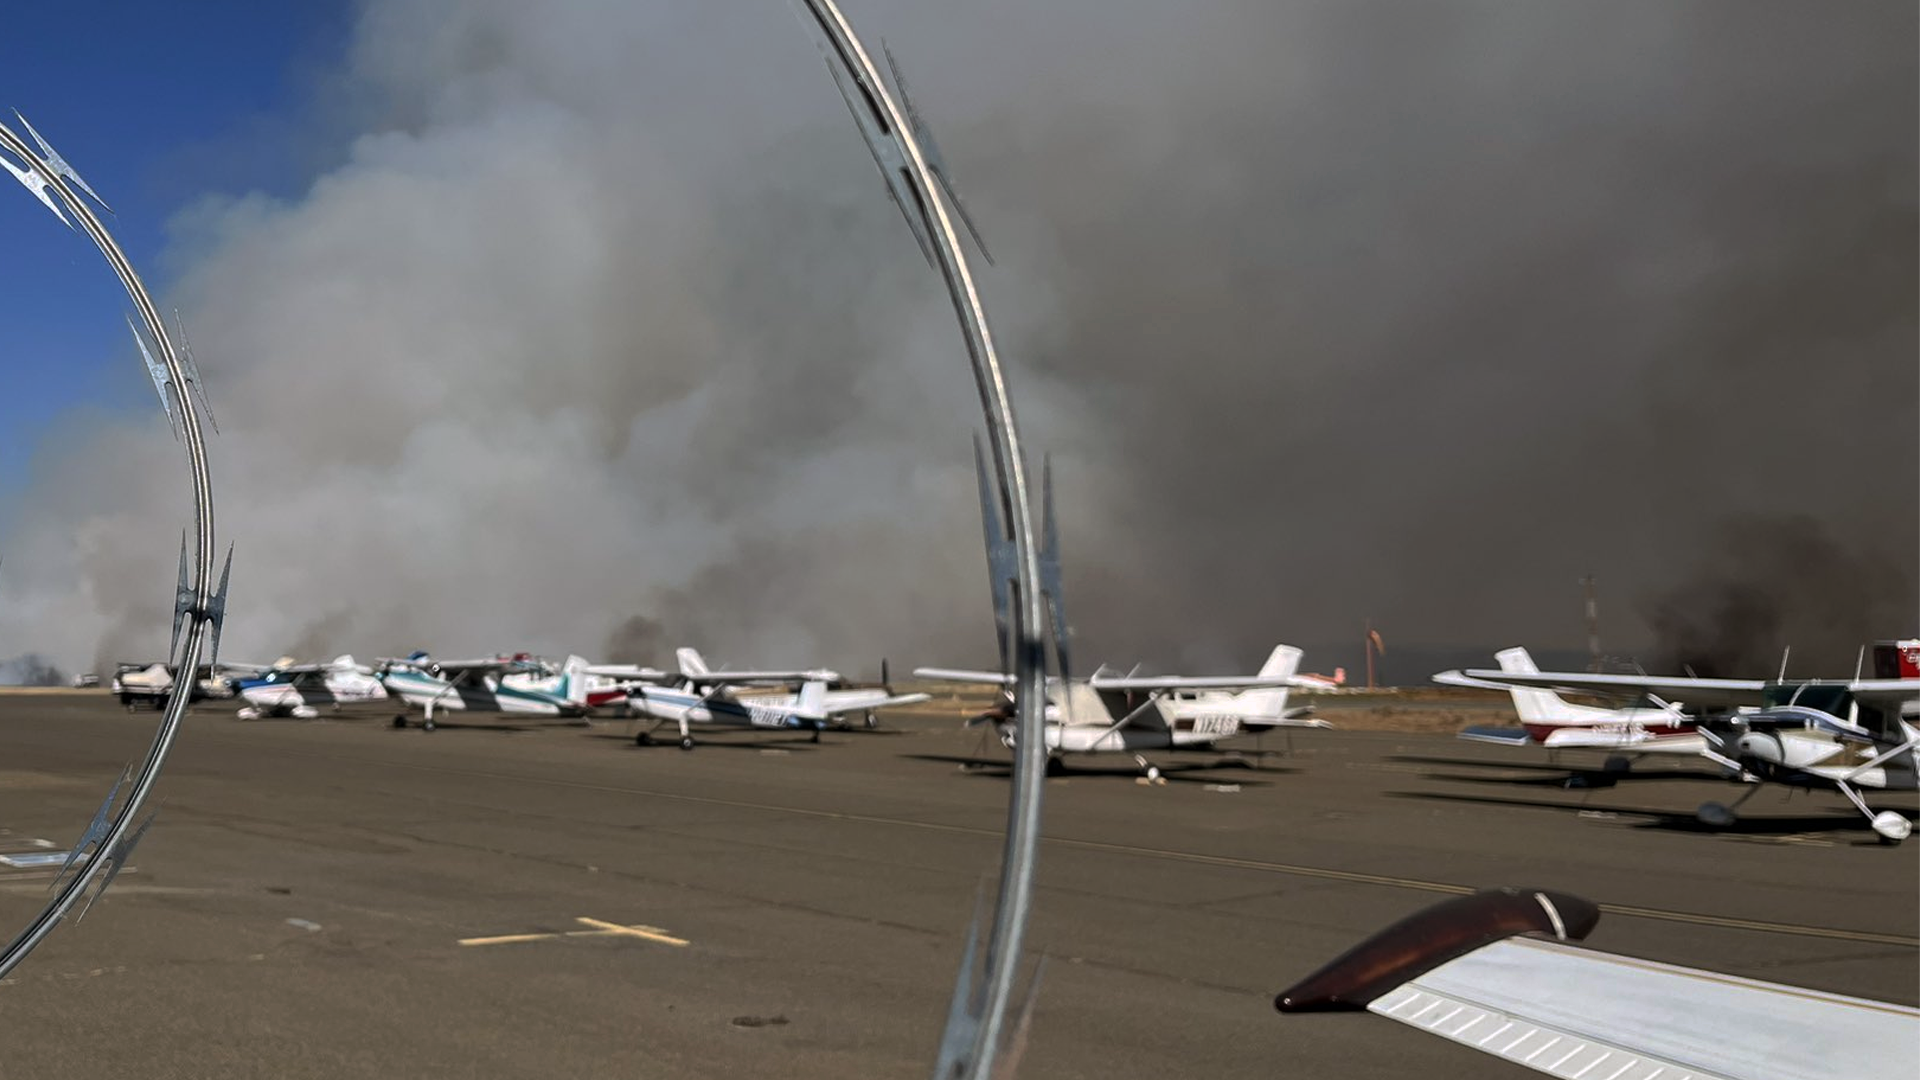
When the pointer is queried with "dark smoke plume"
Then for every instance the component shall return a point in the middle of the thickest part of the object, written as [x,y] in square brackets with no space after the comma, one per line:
[1770,583]
[30,670]
[1414,313]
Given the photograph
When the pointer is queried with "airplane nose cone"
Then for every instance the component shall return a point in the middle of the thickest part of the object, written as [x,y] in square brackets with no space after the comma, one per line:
[1761,747]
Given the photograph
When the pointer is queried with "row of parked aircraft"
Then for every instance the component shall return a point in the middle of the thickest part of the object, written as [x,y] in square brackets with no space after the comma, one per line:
[1108,712]
[1843,734]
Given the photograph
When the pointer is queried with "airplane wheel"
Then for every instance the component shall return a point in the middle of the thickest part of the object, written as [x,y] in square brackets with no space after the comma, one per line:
[399,722]
[1617,765]
[872,721]
[816,736]
[1717,815]
[642,739]
[1891,827]
[1056,767]
[427,725]
[686,743]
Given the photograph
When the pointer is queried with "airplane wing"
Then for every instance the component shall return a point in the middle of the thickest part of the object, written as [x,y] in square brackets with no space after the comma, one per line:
[630,671]
[490,666]
[1456,970]
[988,678]
[1896,689]
[1695,692]
[879,699]
[733,678]
[1198,682]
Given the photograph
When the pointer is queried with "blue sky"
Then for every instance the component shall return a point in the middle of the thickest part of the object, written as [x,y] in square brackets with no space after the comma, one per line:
[156,105]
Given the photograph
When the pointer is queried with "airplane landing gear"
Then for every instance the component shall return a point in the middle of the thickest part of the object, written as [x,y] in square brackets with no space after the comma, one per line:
[686,742]
[1720,815]
[816,736]
[643,739]
[872,720]
[1617,765]
[1892,827]
[400,721]
[1716,815]
[427,725]
[1056,767]
[1152,772]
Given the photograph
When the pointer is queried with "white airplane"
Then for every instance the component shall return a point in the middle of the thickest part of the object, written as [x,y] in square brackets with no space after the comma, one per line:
[595,684]
[150,686]
[1462,969]
[702,696]
[1648,726]
[482,686]
[839,702]
[1129,714]
[285,688]
[1848,735]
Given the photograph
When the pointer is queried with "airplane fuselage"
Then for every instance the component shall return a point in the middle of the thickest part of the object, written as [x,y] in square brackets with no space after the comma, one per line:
[1168,722]
[284,695]
[482,695]
[672,706]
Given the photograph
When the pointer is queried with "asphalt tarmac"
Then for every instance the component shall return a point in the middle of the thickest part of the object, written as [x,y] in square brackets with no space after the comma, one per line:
[335,898]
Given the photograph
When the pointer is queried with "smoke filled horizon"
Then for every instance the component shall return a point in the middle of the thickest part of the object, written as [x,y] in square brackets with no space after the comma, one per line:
[1326,313]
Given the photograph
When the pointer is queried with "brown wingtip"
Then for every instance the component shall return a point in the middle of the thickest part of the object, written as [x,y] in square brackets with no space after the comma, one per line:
[1431,937]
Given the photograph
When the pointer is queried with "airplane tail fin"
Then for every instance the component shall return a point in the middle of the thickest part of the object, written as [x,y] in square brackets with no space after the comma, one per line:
[812,701]
[1535,706]
[691,662]
[1270,702]
[573,680]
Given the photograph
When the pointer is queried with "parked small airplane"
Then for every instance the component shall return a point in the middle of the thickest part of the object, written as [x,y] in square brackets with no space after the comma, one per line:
[702,696]
[1128,714]
[1109,712]
[597,684]
[481,686]
[1647,726]
[1794,733]
[149,686]
[285,688]
[840,702]
[1462,969]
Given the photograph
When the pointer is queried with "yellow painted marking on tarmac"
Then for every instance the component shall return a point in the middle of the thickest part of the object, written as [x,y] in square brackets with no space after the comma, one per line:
[1321,872]
[601,928]
[649,933]
[506,939]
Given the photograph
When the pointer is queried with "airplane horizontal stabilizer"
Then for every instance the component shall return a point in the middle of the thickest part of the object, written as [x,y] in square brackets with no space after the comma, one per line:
[1503,736]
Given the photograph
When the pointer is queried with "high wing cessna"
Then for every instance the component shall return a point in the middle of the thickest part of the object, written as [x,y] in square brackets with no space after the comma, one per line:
[285,688]
[150,686]
[1848,735]
[702,696]
[1130,714]
[1111,712]
[595,684]
[483,686]
[1462,969]
[1648,726]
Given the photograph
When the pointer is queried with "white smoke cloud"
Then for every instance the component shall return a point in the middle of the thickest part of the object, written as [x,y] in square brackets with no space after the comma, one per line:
[600,330]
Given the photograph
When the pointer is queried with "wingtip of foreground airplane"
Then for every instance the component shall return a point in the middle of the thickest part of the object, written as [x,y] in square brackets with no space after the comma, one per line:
[1431,937]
